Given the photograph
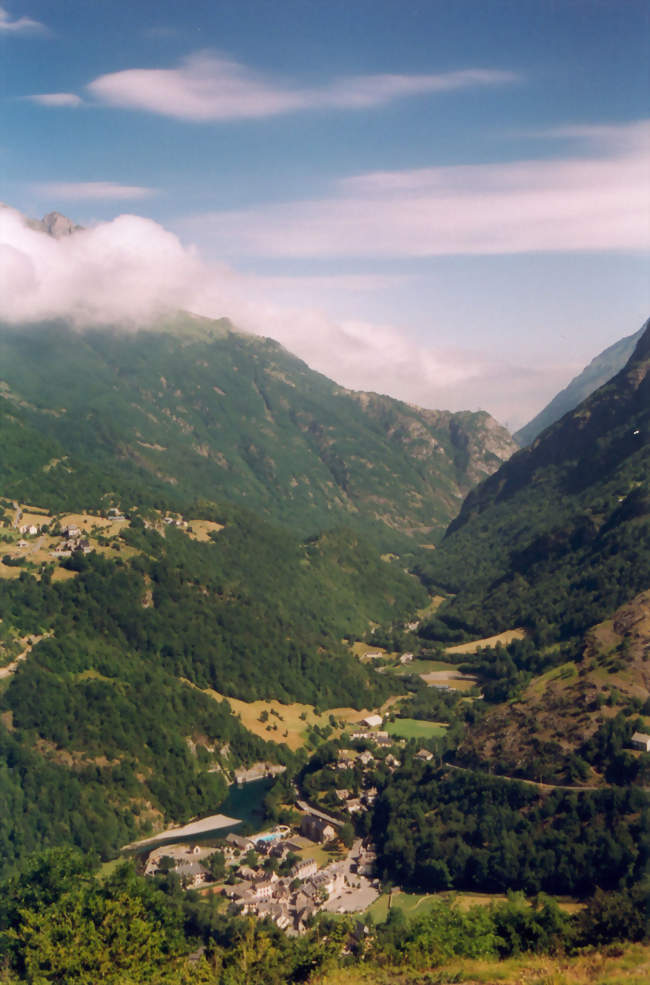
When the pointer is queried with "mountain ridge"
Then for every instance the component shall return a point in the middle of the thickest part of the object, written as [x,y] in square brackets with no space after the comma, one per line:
[601,369]
[199,405]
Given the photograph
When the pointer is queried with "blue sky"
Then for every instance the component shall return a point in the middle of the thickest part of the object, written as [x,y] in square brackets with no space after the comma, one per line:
[446,201]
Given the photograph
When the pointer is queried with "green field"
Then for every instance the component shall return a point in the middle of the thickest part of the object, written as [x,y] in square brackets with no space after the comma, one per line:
[417,904]
[425,667]
[412,728]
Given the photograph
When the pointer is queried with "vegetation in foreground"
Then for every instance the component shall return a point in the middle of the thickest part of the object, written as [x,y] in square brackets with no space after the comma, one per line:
[59,923]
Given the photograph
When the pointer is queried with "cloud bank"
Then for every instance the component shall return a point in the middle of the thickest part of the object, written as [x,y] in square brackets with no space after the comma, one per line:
[596,202]
[207,88]
[131,270]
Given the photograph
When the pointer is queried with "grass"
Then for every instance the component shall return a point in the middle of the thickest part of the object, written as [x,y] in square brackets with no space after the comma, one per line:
[287,723]
[627,964]
[106,869]
[433,606]
[361,650]
[415,904]
[201,529]
[566,671]
[457,683]
[489,641]
[412,728]
[425,667]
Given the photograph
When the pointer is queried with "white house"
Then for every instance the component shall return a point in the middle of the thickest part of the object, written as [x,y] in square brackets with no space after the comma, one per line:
[373,721]
[641,741]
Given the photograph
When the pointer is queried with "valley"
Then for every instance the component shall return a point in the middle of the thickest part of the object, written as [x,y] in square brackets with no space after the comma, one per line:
[447,733]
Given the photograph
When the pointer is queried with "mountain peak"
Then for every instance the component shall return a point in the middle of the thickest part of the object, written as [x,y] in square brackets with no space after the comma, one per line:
[57,225]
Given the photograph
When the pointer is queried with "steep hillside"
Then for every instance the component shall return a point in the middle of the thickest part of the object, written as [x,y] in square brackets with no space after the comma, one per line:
[194,409]
[560,536]
[119,631]
[599,371]
[572,724]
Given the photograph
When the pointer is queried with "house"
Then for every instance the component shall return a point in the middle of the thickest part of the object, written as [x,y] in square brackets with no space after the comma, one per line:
[424,755]
[264,890]
[640,740]
[316,828]
[391,761]
[373,721]
[277,912]
[191,874]
[406,658]
[366,757]
[305,868]
[236,841]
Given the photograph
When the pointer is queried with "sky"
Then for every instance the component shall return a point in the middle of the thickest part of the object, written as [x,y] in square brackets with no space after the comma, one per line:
[442,200]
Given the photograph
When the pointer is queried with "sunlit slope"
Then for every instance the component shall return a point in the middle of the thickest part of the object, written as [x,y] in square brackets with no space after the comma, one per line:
[194,409]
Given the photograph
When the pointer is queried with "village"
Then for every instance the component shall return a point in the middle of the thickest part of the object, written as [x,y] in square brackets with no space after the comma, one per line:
[36,539]
[290,872]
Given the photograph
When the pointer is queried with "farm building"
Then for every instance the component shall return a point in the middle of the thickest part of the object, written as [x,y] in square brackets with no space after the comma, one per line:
[641,741]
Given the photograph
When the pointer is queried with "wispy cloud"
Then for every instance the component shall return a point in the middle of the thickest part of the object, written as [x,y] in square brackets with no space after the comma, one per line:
[595,202]
[209,88]
[22,25]
[63,99]
[77,191]
[130,270]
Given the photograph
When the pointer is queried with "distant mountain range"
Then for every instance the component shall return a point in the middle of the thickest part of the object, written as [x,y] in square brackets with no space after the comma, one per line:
[599,371]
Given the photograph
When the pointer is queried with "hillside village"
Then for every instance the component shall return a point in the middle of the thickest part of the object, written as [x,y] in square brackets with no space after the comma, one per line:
[36,539]
[292,871]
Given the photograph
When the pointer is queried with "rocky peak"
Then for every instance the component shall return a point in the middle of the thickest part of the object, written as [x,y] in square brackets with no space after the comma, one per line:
[57,225]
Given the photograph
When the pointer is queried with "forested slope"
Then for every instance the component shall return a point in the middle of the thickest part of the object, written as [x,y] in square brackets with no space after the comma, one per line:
[560,535]
[192,408]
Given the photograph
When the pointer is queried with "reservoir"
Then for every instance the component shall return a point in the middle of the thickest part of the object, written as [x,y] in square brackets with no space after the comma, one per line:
[246,802]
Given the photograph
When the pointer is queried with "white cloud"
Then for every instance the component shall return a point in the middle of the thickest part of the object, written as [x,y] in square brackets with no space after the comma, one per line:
[596,202]
[23,25]
[56,99]
[210,88]
[131,270]
[77,191]
[126,270]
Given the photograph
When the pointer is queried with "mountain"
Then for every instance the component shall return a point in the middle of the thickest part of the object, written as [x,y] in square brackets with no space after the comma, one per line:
[599,371]
[559,536]
[132,629]
[573,723]
[560,544]
[54,224]
[192,408]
